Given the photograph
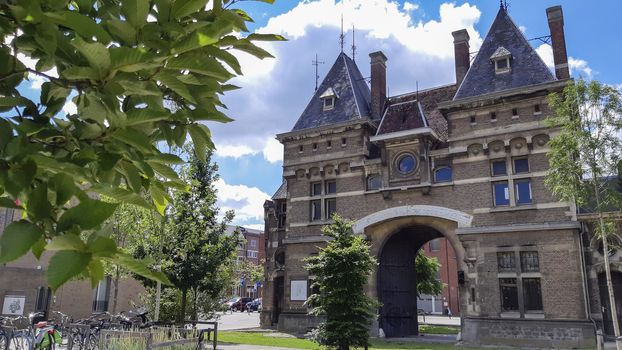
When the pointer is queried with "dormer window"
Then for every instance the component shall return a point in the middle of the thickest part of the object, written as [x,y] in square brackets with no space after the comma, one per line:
[501,59]
[328,98]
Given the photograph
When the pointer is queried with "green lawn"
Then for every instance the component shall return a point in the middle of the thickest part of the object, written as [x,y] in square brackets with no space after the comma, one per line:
[261,338]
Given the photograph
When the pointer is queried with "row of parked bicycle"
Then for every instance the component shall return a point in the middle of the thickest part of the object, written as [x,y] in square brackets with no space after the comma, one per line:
[40,332]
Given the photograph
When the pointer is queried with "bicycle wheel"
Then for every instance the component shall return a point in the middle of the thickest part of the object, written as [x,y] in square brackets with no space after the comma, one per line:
[4,343]
[21,342]
[93,341]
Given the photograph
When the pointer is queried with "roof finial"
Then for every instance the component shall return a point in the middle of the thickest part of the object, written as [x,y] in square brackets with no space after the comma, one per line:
[341,36]
[316,63]
[501,4]
[353,46]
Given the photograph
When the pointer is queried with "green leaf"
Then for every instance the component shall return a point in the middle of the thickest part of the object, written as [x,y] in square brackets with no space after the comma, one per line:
[95,53]
[138,116]
[202,37]
[122,30]
[122,195]
[102,246]
[80,73]
[217,116]
[198,63]
[64,265]
[64,187]
[87,215]
[248,47]
[139,268]
[38,247]
[134,138]
[175,84]
[132,176]
[135,12]
[17,239]
[182,8]
[46,37]
[128,59]
[6,202]
[200,140]
[167,158]
[96,272]
[164,170]
[38,205]
[159,198]
[83,25]
[265,37]
[66,242]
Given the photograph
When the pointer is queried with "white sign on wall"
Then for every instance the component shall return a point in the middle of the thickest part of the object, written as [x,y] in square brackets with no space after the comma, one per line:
[13,305]
[299,290]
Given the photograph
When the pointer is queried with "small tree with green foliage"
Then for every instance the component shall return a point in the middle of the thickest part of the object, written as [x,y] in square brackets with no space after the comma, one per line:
[426,268]
[341,270]
[586,154]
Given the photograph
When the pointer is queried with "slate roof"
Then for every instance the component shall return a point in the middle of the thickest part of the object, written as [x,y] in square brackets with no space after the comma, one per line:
[527,68]
[405,112]
[352,102]
[281,193]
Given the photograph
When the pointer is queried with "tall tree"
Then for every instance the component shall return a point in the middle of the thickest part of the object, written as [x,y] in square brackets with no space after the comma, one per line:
[123,63]
[585,155]
[195,246]
[341,270]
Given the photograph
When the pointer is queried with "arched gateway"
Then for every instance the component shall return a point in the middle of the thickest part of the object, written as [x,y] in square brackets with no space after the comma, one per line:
[397,234]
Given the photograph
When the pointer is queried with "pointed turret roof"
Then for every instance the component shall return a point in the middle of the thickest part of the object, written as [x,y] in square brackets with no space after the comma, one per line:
[526,66]
[352,97]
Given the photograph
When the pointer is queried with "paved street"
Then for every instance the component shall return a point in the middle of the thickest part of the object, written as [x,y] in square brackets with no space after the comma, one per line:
[238,320]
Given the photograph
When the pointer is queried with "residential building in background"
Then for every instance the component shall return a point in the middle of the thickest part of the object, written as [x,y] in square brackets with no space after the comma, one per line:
[253,250]
[447,302]
[23,287]
[465,162]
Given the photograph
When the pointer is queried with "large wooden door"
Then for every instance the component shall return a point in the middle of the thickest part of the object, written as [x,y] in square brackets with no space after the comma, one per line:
[398,287]
[616,278]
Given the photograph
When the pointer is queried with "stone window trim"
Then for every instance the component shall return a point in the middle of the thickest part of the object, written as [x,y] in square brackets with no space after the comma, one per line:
[323,201]
[374,182]
[513,180]
[521,279]
[501,59]
[537,109]
[440,170]
[402,156]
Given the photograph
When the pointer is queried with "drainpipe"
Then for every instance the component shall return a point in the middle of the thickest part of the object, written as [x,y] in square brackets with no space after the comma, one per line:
[586,290]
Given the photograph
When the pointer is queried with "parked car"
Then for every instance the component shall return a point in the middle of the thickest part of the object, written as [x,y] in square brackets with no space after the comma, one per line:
[254,305]
[240,304]
[228,304]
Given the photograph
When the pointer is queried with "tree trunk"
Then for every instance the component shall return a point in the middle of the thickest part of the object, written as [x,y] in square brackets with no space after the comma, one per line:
[196,311]
[612,300]
[117,277]
[184,300]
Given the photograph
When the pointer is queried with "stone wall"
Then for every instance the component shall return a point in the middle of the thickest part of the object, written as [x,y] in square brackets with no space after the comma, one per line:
[527,333]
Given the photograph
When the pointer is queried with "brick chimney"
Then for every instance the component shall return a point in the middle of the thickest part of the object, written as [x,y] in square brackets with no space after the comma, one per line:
[378,83]
[461,54]
[555,16]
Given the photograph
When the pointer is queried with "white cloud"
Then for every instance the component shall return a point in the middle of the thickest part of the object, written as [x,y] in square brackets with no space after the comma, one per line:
[35,80]
[272,150]
[259,227]
[409,6]
[577,66]
[581,66]
[233,151]
[523,29]
[247,202]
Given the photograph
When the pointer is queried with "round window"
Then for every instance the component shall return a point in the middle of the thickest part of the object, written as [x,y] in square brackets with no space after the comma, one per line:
[406,163]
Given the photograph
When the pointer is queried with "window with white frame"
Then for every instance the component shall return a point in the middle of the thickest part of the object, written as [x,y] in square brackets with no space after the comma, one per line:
[251,254]
[253,243]
[501,59]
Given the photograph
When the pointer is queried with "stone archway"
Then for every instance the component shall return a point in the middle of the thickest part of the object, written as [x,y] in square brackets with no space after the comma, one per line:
[396,235]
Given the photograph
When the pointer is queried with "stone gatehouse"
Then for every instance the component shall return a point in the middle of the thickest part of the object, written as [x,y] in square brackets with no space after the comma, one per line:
[467,162]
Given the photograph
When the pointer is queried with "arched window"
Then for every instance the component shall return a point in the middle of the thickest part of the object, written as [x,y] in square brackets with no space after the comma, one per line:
[443,174]
[374,182]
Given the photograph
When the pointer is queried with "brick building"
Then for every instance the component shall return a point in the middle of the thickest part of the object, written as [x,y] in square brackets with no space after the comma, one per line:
[23,282]
[448,300]
[465,162]
[252,250]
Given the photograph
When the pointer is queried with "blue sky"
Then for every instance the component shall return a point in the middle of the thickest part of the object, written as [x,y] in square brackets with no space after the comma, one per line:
[414,35]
